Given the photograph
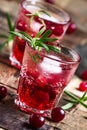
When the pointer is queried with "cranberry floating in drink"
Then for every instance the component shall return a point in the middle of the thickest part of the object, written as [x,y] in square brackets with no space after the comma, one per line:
[43,77]
[32,16]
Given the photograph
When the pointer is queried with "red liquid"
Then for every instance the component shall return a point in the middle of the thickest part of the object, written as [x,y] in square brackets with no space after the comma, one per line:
[41,83]
[54,23]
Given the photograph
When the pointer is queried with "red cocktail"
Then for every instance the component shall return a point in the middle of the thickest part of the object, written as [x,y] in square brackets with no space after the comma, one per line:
[43,78]
[52,17]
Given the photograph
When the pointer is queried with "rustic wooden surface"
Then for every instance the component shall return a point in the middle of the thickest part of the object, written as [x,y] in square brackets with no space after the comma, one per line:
[11,118]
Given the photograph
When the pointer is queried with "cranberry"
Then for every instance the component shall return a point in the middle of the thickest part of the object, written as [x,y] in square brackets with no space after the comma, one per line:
[72,28]
[34,73]
[57,30]
[21,43]
[41,96]
[41,81]
[32,33]
[21,25]
[83,86]
[52,94]
[84,75]
[50,1]
[37,19]
[25,12]
[36,121]
[3,92]
[57,114]
[27,81]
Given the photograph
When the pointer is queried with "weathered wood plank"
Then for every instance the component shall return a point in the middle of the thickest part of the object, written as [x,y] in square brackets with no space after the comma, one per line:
[8,75]
[11,118]
[10,114]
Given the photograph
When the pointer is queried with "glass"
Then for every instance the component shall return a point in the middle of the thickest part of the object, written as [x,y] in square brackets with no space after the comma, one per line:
[43,78]
[57,21]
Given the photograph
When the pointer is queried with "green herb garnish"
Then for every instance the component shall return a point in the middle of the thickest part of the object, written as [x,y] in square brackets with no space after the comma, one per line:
[37,14]
[7,37]
[75,100]
[39,41]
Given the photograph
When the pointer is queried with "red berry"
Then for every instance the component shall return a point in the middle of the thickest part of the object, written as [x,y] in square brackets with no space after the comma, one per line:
[25,12]
[3,92]
[72,28]
[21,25]
[84,75]
[39,96]
[52,94]
[36,121]
[37,19]
[41,81]
[57,114]
[50,1]
[34,73]
[57,30]
[20,43]
[83,86]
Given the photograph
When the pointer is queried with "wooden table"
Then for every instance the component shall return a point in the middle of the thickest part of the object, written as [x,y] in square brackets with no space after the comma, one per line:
[11,118]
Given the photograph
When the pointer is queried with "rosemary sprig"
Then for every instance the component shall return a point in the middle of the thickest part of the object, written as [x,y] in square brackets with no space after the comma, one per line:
[7,37]
[67,106]
[75,100]
[37,14]
[11,27]
[45,12]
[39,41]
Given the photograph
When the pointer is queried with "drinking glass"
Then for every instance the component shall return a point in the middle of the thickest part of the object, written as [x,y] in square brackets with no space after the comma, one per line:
[43,78]
[54,18]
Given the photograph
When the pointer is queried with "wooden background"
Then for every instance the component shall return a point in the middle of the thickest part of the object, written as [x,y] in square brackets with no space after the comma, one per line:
[11,118]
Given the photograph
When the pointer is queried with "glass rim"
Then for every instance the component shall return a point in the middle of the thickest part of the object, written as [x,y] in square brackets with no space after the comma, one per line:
[74,53]
[50,6]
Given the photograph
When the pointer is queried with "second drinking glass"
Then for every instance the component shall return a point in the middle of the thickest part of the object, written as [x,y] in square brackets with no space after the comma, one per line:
[32,16]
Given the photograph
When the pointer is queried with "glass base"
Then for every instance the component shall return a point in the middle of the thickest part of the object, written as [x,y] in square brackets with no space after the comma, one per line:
[14,62]
[29,110]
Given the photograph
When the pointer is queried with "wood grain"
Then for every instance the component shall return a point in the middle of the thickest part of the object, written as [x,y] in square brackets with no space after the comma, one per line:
[11,118]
